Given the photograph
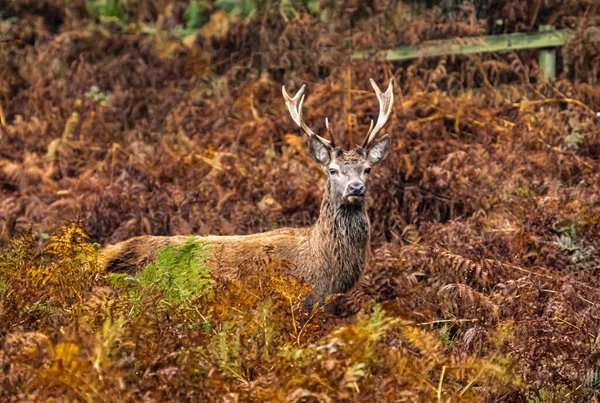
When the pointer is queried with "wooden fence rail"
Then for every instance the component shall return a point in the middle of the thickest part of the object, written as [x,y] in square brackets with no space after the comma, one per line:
[547,40]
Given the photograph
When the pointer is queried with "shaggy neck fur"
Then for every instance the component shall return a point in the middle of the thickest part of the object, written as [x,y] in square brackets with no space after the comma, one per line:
[341,234]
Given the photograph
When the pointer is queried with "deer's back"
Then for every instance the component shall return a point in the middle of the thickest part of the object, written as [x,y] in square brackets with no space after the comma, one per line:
[228,256]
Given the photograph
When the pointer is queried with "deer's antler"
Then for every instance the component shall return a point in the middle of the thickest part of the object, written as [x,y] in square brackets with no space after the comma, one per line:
[295,107]
[386,101]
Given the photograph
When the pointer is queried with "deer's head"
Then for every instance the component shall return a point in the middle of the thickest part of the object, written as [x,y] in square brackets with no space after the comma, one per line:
[347,171]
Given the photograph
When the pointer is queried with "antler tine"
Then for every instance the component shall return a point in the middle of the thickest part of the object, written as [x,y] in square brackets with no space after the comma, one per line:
[295,108]
[386,101]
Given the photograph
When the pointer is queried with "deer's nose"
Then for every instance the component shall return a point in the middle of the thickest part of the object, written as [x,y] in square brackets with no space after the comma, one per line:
[357,188]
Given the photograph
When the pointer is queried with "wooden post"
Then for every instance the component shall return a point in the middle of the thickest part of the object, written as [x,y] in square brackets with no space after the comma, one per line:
[547,56]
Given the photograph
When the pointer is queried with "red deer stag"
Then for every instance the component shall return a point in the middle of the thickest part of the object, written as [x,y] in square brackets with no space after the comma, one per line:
[329,255]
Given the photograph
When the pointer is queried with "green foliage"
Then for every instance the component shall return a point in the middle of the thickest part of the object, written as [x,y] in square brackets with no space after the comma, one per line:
[444,336]
[179,275]
[227,349]
[216,86]
[522,191]
[567,240]
[540,396]
[250,8]
[97,95]
[242,8]
[106,8]
[573,140]
[196,14]
[313,6]
[595,381]
[179,272]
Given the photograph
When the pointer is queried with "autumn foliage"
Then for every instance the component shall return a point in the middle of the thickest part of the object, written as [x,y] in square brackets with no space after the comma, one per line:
[483,279]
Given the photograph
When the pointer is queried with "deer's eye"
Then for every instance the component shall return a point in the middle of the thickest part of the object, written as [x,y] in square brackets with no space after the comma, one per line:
[367,171]
[332,171]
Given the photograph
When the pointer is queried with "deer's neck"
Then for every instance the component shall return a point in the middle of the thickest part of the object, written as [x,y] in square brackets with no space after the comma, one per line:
[342,235]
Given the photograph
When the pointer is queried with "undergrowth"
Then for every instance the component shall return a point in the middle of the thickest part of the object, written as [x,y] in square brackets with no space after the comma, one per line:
[170,332]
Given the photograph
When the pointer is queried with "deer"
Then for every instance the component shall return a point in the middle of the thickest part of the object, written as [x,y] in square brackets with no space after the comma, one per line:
[329,256]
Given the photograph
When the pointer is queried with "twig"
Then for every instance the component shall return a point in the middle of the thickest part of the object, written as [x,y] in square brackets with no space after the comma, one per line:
[293,317]
[574,390]
[588,301]
[282,13]
[464,390]
[558,150]
[239,376]
[558,100]
[204,319]
[512,266]
[2,118]
[565,322]
[363,92]
[449,116]
[439,391]
[570,324]
[535,14]
[433,322]
[316,311]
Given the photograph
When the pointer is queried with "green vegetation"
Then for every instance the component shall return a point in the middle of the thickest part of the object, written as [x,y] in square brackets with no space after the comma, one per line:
[242,8]
[179,275]
[250,8]
[195,16]
[107,8]
[97,95]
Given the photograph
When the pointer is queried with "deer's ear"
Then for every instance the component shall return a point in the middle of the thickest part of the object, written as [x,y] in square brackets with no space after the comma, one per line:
[319,151]
[379,150]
